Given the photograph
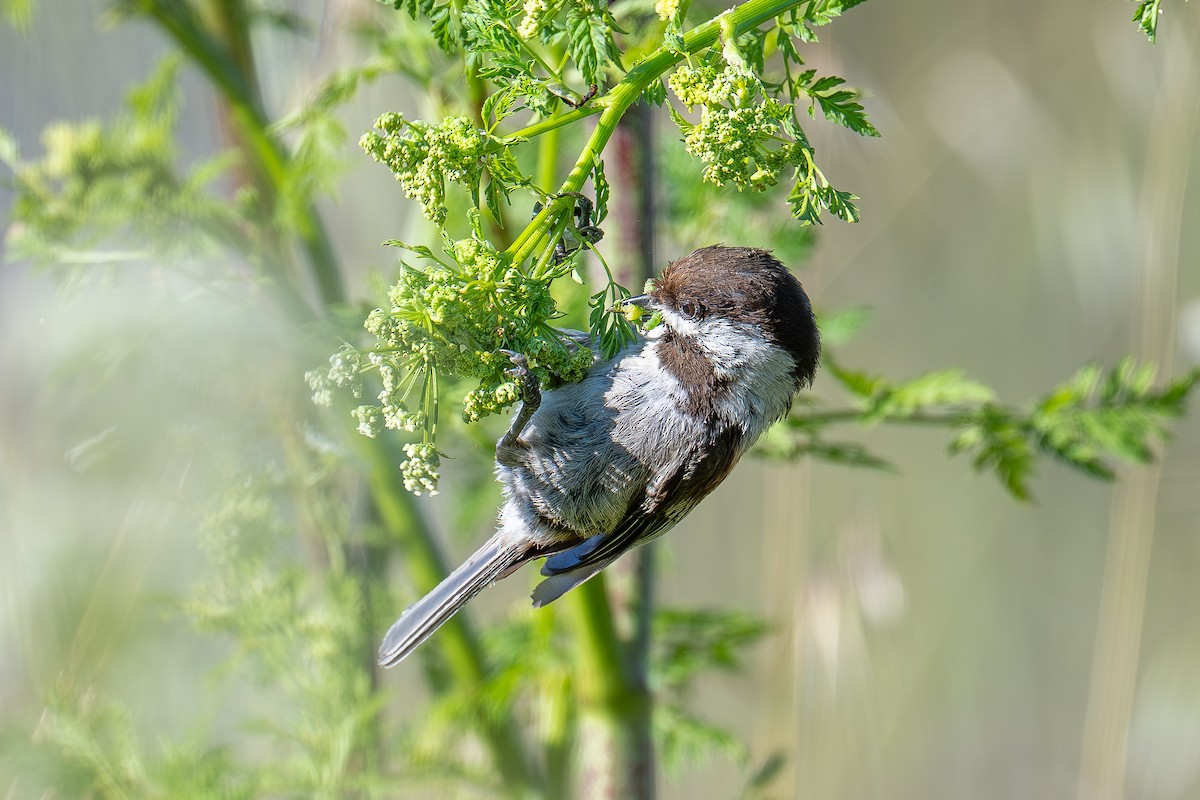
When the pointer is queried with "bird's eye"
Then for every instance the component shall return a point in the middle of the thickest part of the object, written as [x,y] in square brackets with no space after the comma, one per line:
[690,309]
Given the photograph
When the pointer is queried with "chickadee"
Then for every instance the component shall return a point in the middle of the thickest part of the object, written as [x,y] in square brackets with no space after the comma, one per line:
[593,469]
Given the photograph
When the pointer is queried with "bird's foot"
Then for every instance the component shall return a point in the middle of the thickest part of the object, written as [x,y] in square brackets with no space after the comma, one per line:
[531,398]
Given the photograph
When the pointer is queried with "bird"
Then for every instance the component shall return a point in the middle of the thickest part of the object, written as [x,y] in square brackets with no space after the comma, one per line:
[591,469]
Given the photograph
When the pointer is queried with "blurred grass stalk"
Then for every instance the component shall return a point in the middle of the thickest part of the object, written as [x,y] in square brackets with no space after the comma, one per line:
[1172,131]
[219,46]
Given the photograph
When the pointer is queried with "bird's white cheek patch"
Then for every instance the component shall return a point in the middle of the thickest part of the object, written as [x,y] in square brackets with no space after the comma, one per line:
[761,371]
[679,323]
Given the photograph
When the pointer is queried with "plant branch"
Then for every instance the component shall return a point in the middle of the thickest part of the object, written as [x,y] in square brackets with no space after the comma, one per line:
[611,763]
[457,638]
[618,100]
[217,55]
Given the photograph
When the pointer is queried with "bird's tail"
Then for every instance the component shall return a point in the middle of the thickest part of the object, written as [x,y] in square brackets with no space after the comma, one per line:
[489,563]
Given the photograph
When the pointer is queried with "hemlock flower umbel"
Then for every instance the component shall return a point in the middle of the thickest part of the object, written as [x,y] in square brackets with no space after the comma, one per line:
[450,318]
[743,137]
[424,156]
[420,470]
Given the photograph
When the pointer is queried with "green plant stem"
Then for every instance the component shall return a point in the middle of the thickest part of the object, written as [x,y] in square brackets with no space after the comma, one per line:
[458,640]
[617,101]
[599,649]
[613,759]
[553,123]
[547,164]
[219,59]
[557,747]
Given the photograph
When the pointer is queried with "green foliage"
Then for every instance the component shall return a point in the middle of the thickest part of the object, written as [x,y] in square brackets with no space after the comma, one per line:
[614,330]
[19,13]
[823,12]
[1145,16]
[839,105]
[297,631]
[530,51]
[691,641]
[528,56]
[683,737]
[96,751]
[1086,423]
[688,643]
[842,325]
[110,193]
[760,781]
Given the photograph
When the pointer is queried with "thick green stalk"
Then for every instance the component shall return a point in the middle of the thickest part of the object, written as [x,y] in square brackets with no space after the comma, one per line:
[547,163]
[614,758]
[618,100]
[219,60]
[458,640]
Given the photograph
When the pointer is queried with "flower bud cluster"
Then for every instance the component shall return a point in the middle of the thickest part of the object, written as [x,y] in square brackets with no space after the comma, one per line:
[536,12]
[742,136]
[424,156]
[420,469]
[666,9]
[451,318]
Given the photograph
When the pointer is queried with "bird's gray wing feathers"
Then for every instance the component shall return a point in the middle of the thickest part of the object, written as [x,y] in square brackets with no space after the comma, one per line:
[648,517]
[559,584]
[489,563]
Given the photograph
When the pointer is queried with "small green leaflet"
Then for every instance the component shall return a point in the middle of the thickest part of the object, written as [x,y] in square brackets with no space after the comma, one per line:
[1146,18]
[822,12]
[839,106]
[591,44]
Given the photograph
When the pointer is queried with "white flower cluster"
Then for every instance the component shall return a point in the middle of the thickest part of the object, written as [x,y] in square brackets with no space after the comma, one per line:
[535,12]
[424,156]
[741,137]
[420,471]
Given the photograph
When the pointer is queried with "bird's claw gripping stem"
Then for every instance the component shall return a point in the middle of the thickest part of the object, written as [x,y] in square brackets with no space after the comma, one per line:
[582,233]
[531,398]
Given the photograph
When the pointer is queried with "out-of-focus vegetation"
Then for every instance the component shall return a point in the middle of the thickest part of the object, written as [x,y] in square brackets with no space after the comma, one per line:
[198,562]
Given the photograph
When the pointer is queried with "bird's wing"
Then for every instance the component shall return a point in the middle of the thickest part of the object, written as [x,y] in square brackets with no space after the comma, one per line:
[667,500]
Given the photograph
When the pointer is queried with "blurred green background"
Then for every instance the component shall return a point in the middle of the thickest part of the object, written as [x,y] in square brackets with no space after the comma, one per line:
[1030,207]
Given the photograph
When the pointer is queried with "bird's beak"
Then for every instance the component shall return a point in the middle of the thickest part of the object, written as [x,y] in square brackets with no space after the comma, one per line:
[642,301]
[641,311]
